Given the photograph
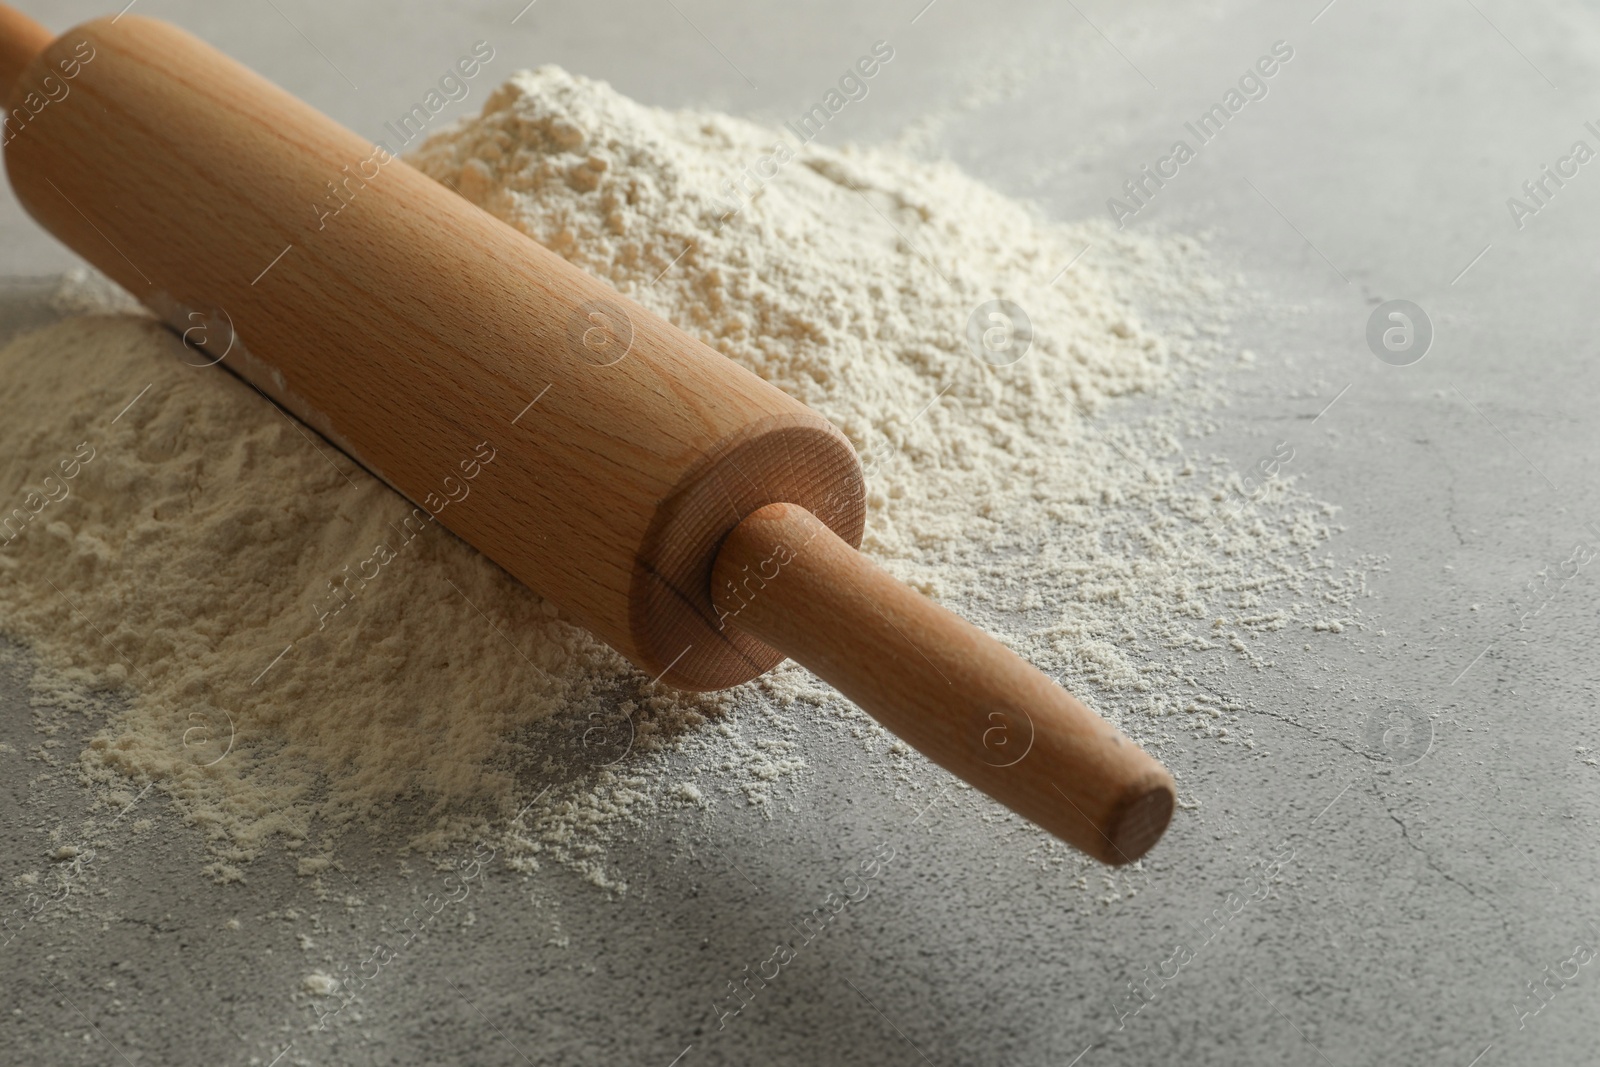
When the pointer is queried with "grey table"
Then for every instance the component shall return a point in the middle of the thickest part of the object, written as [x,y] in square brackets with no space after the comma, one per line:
[1424,892]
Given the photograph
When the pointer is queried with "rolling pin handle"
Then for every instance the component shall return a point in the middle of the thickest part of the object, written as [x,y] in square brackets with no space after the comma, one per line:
[947,688]
[21,41]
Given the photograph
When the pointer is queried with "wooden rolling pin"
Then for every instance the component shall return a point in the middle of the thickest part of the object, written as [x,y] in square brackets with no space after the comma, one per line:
[696,518]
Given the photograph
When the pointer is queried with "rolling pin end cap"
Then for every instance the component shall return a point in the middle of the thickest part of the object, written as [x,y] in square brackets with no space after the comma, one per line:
[1138,822]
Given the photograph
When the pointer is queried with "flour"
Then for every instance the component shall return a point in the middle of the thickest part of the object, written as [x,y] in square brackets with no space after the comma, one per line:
[191,566]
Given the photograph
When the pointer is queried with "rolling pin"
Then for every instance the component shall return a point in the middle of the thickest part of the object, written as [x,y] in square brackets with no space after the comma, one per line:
[696,518]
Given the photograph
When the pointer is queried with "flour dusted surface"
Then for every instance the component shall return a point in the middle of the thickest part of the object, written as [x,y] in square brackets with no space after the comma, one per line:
[192,556]
[848,278]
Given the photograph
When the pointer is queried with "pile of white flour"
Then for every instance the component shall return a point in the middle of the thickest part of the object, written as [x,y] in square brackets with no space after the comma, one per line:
[186,561]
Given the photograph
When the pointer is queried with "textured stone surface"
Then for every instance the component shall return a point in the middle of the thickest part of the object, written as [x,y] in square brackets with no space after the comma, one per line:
[1420,899]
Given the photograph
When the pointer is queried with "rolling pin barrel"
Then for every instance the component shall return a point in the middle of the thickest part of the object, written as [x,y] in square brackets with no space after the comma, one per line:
[256,226]
[597,453]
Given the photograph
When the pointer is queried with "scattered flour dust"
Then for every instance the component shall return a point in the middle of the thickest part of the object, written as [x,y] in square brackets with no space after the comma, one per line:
[191,557]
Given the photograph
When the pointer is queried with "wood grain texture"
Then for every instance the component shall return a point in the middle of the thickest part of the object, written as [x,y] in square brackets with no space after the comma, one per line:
[21,41]
[666,498]
[953,692]
[413,330]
